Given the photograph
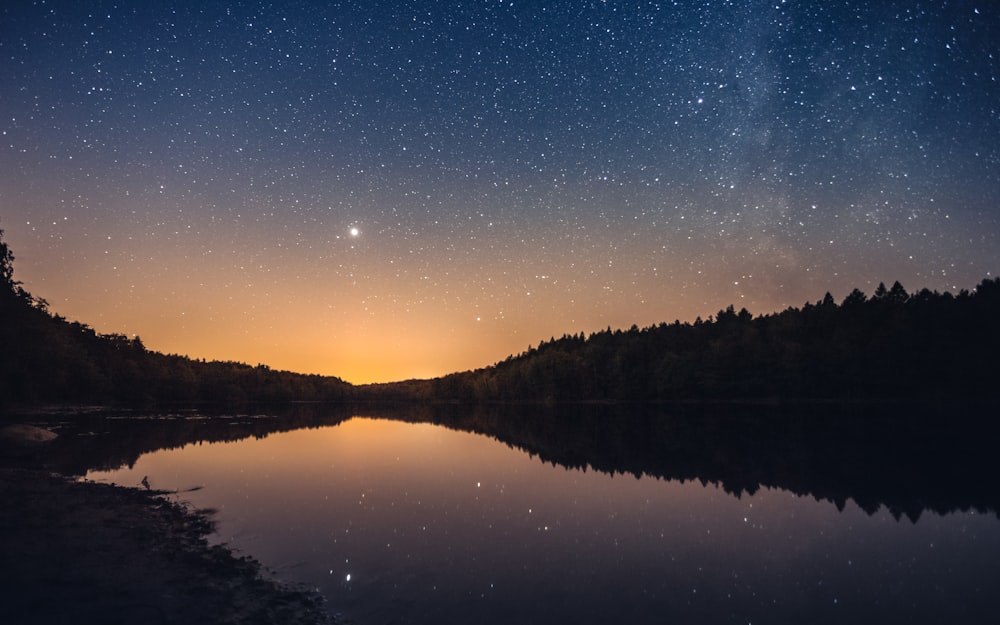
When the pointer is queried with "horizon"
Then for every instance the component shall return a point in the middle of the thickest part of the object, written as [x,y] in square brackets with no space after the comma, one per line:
[389,192]
[709,318]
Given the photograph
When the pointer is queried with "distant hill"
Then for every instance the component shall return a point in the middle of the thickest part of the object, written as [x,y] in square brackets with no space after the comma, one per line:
[47,359]
[893,345]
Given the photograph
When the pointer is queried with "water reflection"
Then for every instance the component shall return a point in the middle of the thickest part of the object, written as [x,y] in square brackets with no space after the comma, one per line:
[417,523]
[908,459]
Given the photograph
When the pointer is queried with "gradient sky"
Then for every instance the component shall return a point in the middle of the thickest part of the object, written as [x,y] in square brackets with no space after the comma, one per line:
[386,190]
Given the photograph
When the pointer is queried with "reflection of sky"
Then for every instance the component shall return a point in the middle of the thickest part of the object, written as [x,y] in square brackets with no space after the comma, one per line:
[192,172]
[441,526]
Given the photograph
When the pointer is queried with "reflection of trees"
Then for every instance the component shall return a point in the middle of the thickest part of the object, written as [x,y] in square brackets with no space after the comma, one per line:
[906,458]
[899,456]
[107,440]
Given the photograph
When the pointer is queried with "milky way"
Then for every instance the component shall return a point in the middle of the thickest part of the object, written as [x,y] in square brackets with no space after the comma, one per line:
[382,190]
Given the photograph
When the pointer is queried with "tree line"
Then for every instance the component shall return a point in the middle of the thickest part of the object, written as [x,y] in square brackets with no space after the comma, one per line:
[892,345]
[45,358]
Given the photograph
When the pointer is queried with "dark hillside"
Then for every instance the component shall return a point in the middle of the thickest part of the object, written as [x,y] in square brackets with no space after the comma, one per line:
[893,345]
[47,359]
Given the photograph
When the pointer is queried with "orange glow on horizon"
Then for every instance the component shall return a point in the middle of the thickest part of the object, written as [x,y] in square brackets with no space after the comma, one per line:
[382,319]
[390,201]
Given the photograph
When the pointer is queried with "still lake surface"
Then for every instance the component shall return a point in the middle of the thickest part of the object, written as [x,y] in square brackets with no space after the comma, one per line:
[417,523]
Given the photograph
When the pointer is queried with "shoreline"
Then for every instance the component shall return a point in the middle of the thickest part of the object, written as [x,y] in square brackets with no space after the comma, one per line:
[86,552]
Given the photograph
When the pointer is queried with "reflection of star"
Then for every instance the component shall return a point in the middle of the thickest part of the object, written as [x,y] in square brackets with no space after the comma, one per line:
[355,232]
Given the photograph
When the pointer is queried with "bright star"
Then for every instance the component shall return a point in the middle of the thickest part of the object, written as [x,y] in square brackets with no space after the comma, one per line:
[355,232]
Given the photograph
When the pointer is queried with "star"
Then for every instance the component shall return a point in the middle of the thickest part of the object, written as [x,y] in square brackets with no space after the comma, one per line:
[541,160]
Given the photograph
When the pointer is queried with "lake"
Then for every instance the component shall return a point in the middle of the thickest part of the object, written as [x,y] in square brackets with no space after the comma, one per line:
[405,521]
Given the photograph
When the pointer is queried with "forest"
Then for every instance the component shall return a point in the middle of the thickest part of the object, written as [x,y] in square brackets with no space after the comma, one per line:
[47,359]
[891,346]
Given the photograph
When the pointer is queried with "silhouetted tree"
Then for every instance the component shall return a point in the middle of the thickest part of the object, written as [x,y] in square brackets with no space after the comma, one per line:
[6,265]
[897,294]
[854,298]
[880,291]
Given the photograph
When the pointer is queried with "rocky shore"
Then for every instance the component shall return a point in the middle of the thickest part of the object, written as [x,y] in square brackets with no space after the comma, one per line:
[81,552]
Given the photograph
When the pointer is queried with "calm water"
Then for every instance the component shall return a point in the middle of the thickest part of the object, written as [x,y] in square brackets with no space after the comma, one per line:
[415,523]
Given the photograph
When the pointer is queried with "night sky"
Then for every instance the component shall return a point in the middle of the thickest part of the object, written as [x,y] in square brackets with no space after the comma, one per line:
[385,190]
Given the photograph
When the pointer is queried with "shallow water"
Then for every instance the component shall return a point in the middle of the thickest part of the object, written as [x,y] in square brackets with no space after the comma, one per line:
[416,523]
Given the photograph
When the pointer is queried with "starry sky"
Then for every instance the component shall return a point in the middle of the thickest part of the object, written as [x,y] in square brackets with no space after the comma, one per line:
[387,190]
